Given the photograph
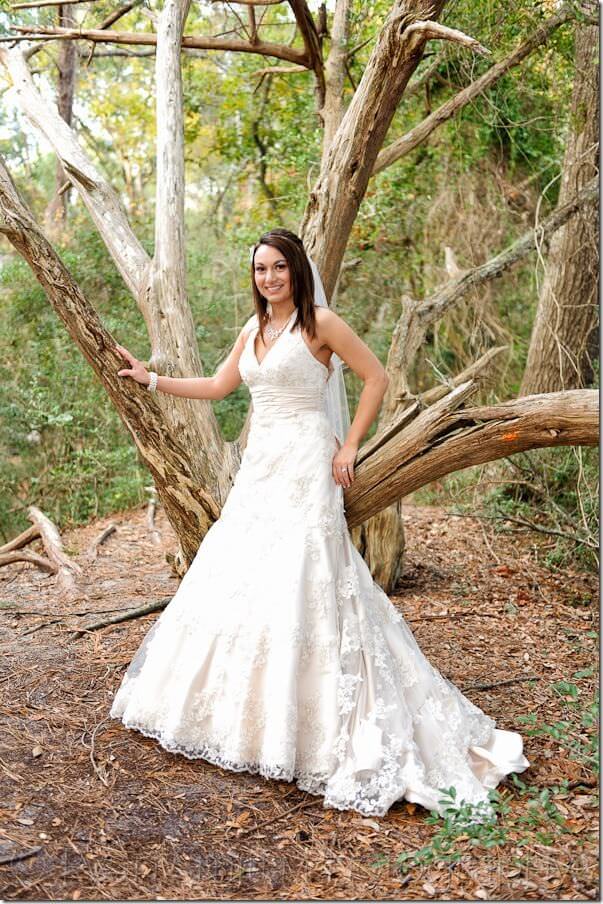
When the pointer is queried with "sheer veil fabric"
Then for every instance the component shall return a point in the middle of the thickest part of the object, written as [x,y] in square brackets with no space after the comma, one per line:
[280,655]
[336,400]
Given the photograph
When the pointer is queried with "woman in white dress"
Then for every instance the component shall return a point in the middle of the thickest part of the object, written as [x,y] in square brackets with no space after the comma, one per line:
[279,654]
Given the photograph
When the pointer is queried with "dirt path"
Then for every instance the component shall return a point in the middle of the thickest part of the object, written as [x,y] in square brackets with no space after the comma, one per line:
[93,811]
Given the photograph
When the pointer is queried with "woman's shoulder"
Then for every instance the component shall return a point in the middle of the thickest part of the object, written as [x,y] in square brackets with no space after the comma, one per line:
[326,319]
[250,324]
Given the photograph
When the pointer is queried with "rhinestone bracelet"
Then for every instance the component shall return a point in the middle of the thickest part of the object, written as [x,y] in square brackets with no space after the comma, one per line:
[152,385]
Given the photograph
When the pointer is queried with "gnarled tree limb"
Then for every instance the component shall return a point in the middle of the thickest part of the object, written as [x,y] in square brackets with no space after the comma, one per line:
[447,437]
[65,568]
[192,504]
[416,136]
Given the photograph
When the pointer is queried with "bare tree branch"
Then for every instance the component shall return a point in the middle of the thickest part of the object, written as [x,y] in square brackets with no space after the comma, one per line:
[263,48]
[446,438]
[417,84]
[119,13]
[279,70]
[416,136]
[428,29]
[336,197]
[312,44]
[418,316]
[335,72]
[98,196]
[167,275]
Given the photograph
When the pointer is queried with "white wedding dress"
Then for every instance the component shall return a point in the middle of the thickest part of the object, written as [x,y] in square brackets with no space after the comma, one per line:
[280,655]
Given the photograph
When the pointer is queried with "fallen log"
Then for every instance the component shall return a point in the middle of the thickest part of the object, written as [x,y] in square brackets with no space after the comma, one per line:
[23,539]
[26,555]
[55,562]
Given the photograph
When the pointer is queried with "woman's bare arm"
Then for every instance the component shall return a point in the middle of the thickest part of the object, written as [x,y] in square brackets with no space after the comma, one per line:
[341,338]
[224,381]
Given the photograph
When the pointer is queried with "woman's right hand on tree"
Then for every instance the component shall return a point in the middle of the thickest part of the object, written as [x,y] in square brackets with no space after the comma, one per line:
[137,370]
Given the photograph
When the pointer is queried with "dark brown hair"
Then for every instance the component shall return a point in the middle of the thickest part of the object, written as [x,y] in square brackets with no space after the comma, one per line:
[302,280]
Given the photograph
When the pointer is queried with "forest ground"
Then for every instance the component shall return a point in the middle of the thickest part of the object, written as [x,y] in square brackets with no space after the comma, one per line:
[90,810]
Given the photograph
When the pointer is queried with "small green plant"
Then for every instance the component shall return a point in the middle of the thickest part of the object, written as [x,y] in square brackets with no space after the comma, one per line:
[461,824]
[488,824]
[577,733]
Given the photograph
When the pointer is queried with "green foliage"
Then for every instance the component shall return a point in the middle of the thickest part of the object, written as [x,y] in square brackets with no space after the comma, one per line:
[578,732]
[62,445]
[520,816]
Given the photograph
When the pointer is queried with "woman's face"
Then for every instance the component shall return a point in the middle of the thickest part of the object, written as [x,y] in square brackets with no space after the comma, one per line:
[272,275]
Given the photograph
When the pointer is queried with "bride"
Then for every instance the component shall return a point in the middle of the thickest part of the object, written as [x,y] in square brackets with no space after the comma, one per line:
[279,654]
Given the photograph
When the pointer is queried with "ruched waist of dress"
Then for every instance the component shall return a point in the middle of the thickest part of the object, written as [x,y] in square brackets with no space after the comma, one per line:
[285,402]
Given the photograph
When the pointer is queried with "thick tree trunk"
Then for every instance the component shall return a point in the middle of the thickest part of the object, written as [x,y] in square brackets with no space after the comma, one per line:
[381,542]
[335,199]
[190,506]
[560,350]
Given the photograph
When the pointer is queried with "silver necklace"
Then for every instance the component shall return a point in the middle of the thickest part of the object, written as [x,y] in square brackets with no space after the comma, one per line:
[274,334]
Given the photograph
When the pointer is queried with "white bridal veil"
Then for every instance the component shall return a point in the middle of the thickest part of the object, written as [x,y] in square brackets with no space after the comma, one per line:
[336,399]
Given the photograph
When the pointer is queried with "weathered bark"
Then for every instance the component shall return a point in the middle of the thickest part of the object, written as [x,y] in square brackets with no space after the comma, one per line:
[335,70]
[381,539]
[66,570]
[446,438]
[335,199]
[56,212]
[566,318]
[191,509]
[312,45]
[23,539]
[173,338]
[29,556]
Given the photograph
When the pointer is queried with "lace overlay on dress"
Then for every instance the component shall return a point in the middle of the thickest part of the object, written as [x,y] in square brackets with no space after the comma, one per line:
[280,655]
